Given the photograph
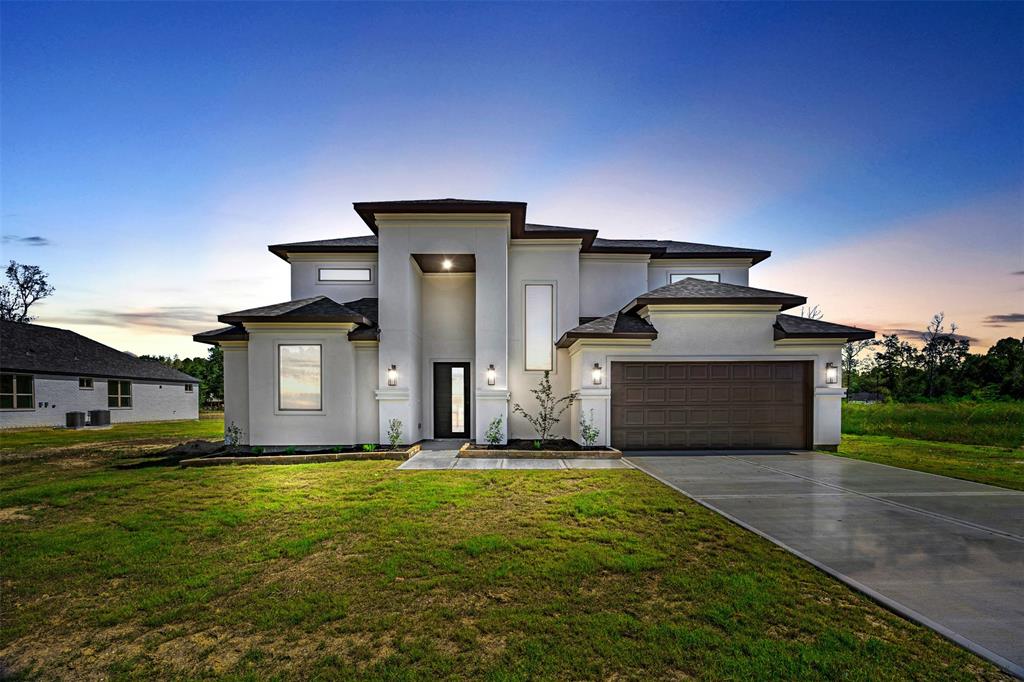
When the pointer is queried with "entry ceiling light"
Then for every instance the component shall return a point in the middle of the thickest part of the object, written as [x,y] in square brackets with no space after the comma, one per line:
[446,264]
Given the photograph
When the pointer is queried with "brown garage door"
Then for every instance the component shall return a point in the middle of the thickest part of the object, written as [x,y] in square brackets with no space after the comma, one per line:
[698,405]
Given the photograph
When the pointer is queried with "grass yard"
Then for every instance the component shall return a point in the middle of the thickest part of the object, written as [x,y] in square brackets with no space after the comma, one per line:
[993,423]
[339,571]
[984,464]
[17,443]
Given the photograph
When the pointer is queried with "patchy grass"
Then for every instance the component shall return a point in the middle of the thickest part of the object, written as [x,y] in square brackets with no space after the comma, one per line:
[48,440]
[984,464]
[992,423]
[338,571]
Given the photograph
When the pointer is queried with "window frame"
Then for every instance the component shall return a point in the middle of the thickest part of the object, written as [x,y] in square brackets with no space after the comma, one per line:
[86,384]
[190,388]
[698,275]
[320,279]
[277,383]
[553,288]
[14,392]
[119,396]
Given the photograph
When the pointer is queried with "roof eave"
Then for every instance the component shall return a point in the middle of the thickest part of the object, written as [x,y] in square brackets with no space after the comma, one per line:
[517,209]
[568,338]
[784,302]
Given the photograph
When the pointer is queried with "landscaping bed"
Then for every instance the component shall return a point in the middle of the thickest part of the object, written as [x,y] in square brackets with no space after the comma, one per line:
[518,448]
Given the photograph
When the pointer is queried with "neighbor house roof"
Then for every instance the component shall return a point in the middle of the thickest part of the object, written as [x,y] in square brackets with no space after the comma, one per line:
[49,350]
[702,292]
[793,327]
[617,326]
[315,309]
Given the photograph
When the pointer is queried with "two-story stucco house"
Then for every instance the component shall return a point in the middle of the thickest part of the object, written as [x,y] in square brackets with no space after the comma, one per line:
[451,310]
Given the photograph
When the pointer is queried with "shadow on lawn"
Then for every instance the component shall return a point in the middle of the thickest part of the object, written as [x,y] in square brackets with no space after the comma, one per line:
[174,456]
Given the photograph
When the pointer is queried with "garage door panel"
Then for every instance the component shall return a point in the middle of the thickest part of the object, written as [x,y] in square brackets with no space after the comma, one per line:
[701,405]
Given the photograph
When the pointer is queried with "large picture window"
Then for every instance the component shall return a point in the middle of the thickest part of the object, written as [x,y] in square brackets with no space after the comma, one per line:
[343,274]
[709,276]
[299,385]
[119,393]
[17,392]
[539,326]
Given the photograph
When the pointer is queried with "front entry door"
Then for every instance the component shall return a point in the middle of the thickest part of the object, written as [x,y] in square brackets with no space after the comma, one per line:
[451,400]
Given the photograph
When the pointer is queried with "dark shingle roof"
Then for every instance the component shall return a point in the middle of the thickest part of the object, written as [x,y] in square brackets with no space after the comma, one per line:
[315,309]
[616,325]
[538,231]
[361,244]
[515,209]
[699,291]
[48,350]
[793,327]
[367,307]
[666,248]
[233,333]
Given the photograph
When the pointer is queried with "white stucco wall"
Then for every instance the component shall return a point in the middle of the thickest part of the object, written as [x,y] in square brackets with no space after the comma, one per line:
[610,281]
[367,417]
[541,262]
[236,387]
[731,271]
[449,334]
[151,401]
[335,423]
[705,334]
[305,268]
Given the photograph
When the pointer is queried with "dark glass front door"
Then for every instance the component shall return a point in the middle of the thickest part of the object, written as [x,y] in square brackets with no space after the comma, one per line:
[451,400]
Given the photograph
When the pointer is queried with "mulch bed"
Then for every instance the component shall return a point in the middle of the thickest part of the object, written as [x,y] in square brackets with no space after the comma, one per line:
[243,455]
[519,448]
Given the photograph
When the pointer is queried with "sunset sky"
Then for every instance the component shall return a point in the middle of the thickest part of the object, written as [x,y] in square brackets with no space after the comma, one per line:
[150,152]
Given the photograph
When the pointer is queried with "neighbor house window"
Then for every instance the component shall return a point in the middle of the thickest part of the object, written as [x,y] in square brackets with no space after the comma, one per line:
[299,377]
[188,388]
[85,383]
[119,394]
[17,391]
[343,274]
[539,324]
[709,276]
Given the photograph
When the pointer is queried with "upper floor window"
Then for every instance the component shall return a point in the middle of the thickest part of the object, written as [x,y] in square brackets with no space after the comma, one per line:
[85,383]
[17,391]
[539,326]
[709,276]
[343,274]
[298,379]
[119,393]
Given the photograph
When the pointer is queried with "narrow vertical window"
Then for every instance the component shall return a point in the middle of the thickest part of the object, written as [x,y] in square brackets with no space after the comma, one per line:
[458,400]
[299,377]
[539,326]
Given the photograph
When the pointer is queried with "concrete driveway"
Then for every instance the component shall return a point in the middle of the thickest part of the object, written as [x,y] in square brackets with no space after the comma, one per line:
[941,551]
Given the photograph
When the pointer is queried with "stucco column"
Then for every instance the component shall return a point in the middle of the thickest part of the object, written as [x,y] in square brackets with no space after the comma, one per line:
[491,330]
[399,305]
[236,387]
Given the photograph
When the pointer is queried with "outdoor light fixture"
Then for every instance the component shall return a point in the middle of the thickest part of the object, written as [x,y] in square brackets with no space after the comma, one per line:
[446,264]
[392,375]
[491,375]
[831,373]
[596,374]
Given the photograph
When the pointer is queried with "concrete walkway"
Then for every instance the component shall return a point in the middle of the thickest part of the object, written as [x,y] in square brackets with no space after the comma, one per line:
[447,459]
[944,552]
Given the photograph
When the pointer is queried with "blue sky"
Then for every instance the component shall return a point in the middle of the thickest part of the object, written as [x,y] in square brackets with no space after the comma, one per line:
[877,149]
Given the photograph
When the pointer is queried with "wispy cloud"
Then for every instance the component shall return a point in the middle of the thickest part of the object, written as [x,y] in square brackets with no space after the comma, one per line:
[1019,272]
[1003,320]
[182,319]
[34,240]
[919,335]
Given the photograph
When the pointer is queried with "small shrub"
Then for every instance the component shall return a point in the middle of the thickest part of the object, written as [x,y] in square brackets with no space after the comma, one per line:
[232,434]
[537,444]
[369,447]
[257,451]
[549,408]
[495,432]
[338,448]
[588,430]
[290,450]
[394,432]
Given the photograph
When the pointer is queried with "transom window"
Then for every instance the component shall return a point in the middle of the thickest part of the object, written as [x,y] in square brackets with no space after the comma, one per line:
[343,274]
[298,380]
[85,383]
[539,326]
[17,391]
[119,394]
[709,276]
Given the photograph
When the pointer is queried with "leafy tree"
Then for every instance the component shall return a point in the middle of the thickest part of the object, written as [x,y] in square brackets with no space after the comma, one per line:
[943,356]
[549,408]
[851,363]
[209,371]
[25,285]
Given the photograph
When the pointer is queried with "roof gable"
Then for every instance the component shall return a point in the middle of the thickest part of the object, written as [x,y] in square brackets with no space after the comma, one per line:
[315,309]
[703,292]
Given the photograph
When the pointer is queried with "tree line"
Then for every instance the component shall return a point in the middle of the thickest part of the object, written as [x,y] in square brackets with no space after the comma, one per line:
[942,369]
[209,371]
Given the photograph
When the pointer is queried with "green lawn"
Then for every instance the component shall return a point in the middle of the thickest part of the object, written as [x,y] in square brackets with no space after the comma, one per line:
[29,441]
[985,464]
[992,423]
[345,570]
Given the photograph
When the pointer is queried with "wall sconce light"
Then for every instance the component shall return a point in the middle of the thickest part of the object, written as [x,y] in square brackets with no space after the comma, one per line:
[491,375]
[392,375]
[596,374]
[831,373]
